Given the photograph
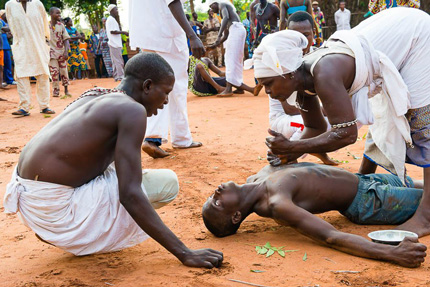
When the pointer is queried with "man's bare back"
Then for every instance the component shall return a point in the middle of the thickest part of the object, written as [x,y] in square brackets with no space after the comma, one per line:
[79,144]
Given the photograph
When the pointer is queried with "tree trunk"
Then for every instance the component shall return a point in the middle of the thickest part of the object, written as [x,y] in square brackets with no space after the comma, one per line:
[192,6]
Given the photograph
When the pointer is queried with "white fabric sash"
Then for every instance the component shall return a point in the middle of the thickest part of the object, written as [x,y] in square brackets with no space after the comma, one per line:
[375,73]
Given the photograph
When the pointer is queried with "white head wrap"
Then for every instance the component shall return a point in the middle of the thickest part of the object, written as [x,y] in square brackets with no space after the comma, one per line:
[278,53]
[110,7]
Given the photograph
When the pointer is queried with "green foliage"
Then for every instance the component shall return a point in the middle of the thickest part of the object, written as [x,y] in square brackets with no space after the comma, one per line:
[95,10]
[305,257]
[269,250]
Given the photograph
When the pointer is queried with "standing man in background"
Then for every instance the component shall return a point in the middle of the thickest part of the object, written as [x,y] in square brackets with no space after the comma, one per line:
[342,17]
[115,42]
[153,28]
[30,29]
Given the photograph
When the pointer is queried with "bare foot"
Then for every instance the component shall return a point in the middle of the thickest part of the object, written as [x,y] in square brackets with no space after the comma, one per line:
[192,145]
[239,92]
[325,159]
[257,89]
[419,223]
[220,89]
[153,150]
[225,95]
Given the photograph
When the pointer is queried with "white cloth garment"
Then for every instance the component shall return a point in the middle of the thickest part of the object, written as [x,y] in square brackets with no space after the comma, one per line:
[87,219]
[30,31]
[114,39]
[153,27]
[117,62]
[110,7]
[291,127]
[174,114]
[163,35]
[278,53]
[234,50]
[391,74]
[342,19]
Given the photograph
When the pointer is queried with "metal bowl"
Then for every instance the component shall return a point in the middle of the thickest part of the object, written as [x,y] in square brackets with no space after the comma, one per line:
[391,237]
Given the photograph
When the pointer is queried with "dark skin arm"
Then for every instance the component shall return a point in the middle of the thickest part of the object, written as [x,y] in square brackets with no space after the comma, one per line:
[222,36]
[252,16]
[283,16]
[213,67]
[409,253]
[330,86]
[195,43]
[131,132]
[119,32]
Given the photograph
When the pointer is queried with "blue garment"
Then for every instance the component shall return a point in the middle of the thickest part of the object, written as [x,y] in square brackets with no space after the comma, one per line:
[7,68]
[382,199]
[6,45]
[295,9]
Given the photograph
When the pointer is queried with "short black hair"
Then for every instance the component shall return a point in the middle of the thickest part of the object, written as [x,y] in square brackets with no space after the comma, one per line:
[146,65]
[301,16]
[52,9]
[67,19]
[223,229]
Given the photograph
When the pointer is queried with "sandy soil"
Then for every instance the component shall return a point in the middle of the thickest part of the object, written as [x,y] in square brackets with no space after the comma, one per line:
[233,132]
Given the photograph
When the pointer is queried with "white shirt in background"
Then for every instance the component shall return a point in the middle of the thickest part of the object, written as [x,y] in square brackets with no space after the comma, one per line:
[343,19]
[153,27]
[114,39]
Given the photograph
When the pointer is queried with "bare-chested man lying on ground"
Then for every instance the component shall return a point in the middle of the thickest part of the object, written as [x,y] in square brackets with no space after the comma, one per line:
[79,183]
[291,194]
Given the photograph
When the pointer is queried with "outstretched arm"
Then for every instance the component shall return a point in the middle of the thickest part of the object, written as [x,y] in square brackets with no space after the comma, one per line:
[252,16]
[409,253]
[196,44]
[131,132]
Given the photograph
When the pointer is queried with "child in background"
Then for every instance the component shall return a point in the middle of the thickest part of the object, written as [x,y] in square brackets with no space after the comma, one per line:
[83,46]
[58,53]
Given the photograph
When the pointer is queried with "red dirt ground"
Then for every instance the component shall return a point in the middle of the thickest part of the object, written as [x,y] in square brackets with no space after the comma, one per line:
[233,132]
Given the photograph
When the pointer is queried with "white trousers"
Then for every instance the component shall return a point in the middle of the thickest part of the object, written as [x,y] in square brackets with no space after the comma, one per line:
[234,50]
[117,63]
[175,112]
[42,92]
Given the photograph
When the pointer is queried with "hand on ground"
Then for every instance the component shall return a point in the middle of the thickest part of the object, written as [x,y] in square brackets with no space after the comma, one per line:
[410,253]
[206,258]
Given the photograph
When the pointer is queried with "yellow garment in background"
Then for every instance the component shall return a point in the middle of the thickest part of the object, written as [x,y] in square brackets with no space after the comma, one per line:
[376,6]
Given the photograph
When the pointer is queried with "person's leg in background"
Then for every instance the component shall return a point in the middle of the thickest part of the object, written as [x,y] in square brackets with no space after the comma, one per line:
[54,69]
[24,92]
[161,186]
[7,71]
[42,93]
[97,59]
[179,126]
[64,76]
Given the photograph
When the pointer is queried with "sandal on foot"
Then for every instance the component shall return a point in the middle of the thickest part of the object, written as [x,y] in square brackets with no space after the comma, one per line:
[192,145]
[21,112]
[47,111]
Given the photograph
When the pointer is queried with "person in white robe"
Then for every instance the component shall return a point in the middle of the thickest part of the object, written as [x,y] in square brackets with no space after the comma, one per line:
[29,26]
[367,64]
[153,27]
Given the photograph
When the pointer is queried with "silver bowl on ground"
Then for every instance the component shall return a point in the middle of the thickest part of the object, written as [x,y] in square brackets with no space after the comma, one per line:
[391,237]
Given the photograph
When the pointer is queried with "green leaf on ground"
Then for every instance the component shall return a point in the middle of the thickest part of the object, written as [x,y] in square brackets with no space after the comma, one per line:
[263,250]
[305,257]
[281,252]
[270,252]
[267,245]
[257,271]
[46,116]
